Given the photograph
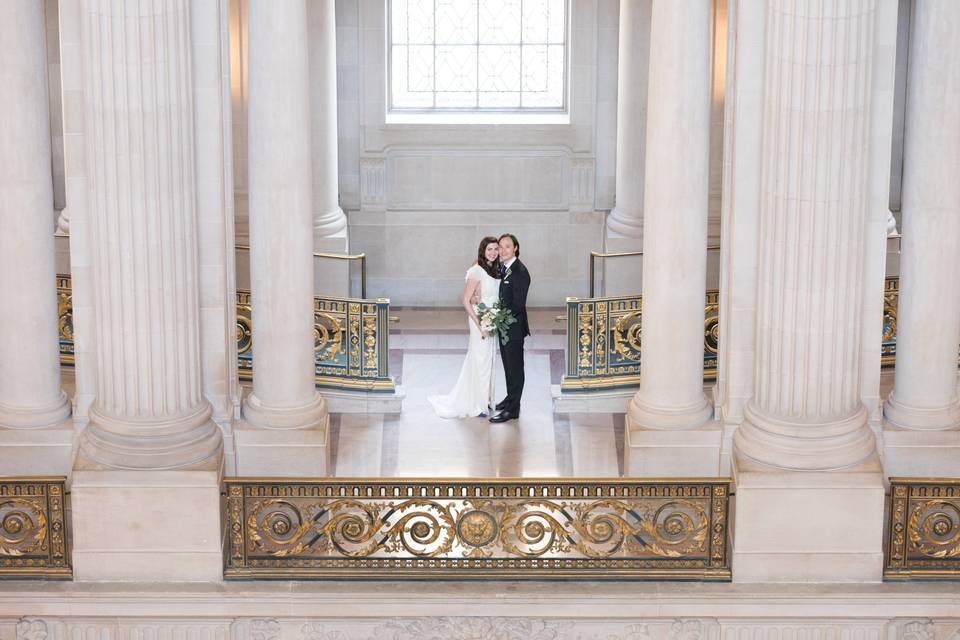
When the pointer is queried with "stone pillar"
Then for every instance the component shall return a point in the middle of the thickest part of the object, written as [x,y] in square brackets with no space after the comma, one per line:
[215,223]
[30,393]
[622,276]
[671,395]
[924,397]
[151,453]
[332,277]
[806,413]
[287,418]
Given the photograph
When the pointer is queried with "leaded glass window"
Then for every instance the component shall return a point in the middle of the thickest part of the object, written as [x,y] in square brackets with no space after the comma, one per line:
[478,54]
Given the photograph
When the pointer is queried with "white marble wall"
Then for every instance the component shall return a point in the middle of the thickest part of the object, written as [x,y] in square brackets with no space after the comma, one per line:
[419,197]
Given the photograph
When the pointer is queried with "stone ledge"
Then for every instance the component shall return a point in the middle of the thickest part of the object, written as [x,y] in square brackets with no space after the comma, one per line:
[382,600]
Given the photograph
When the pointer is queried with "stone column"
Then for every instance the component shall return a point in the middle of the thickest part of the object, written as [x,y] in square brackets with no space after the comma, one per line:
[675,230]
[330,234]
[626,218]
[30,393]
[622,276]
[329,219]
[151,453]
[215,223]
[924,396]
[806,413]
[289,415]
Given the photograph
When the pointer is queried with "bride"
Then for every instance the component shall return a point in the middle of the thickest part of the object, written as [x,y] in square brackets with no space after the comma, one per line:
[474,389]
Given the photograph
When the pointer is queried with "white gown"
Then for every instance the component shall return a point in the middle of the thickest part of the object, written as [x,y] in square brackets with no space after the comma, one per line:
[474,388]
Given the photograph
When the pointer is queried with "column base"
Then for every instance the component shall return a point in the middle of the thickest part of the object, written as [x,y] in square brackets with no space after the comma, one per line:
[289,453]
[783,444]
[925,454]
[918,418]
[621,276]
[289,442]
[51,415]
[176,442]
[37,452]
[808,526]
[668,454]
[332,277]
[643,415]
[147,525]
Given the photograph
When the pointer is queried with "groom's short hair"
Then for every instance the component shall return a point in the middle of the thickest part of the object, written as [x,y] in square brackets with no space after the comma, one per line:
[513,239]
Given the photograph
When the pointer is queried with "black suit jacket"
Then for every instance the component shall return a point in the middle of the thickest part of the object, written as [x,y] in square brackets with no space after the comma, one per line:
[513,295]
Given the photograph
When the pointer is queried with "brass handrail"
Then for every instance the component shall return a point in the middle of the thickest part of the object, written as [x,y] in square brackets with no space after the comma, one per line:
[617,254]
[362,257]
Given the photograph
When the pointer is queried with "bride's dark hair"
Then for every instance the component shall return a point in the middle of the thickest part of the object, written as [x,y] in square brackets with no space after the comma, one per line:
[492,268]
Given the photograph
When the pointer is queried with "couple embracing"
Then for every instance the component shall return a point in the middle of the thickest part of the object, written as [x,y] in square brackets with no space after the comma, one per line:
[495,299]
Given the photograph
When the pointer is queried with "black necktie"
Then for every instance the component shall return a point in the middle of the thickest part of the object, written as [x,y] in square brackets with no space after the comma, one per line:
[503,270]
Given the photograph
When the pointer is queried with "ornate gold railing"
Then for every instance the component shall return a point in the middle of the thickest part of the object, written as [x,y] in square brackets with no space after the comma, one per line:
[506,528]
[923,529]
[351,339]
[603,339]
[33,530]
[351,342]
[603,342]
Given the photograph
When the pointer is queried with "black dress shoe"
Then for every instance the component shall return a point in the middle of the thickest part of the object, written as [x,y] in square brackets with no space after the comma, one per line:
[501,405]
[503,416]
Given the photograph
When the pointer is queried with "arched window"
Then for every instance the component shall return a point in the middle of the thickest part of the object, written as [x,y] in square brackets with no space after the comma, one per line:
[480,55]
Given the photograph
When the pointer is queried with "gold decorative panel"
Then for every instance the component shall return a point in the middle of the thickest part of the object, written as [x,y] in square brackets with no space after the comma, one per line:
[504,528]
[603,342]
[923,529]
[351,342]
[33,531]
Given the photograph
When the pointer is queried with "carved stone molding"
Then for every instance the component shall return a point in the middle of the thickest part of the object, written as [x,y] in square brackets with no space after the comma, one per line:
[373,180]
[916,630]
[255,629]
[582,183]
[38,629]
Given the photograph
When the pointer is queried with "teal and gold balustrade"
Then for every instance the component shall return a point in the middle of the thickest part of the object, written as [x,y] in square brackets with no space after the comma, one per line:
[469,528]
[603,342]
[33,528]
[923,529]
[351,340]
[603,339]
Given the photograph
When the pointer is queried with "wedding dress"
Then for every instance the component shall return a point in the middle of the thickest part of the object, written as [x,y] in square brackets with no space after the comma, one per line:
[471,394]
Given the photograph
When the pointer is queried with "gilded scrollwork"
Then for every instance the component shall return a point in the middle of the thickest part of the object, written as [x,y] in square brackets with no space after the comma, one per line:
[33,535]
[923,537]
[331,528]
[350,342]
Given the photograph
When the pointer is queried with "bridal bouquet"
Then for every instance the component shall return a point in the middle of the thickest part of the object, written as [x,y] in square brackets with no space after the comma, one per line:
[495,319]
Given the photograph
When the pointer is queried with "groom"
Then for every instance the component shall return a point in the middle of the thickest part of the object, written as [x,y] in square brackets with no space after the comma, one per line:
[514,284]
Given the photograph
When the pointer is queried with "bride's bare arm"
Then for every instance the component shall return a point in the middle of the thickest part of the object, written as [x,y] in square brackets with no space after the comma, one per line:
[470,287]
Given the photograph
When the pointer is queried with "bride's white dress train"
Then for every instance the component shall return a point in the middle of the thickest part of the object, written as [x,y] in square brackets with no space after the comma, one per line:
[471,394]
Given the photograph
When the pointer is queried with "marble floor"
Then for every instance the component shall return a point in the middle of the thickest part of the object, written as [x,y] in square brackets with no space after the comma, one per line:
[427,348]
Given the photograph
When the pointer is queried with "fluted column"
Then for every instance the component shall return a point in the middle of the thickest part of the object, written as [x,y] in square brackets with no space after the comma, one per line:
[30,393]
[328,218]
[806,411]
[281,220]
[924,393]
[626,218]
[675,220]
[149,412]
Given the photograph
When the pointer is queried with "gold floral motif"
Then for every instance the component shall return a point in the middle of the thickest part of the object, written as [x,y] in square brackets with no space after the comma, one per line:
[923,529]
[934,528]
[477,528]
[586,337]
[370,340]
[601,337]
[33,535]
